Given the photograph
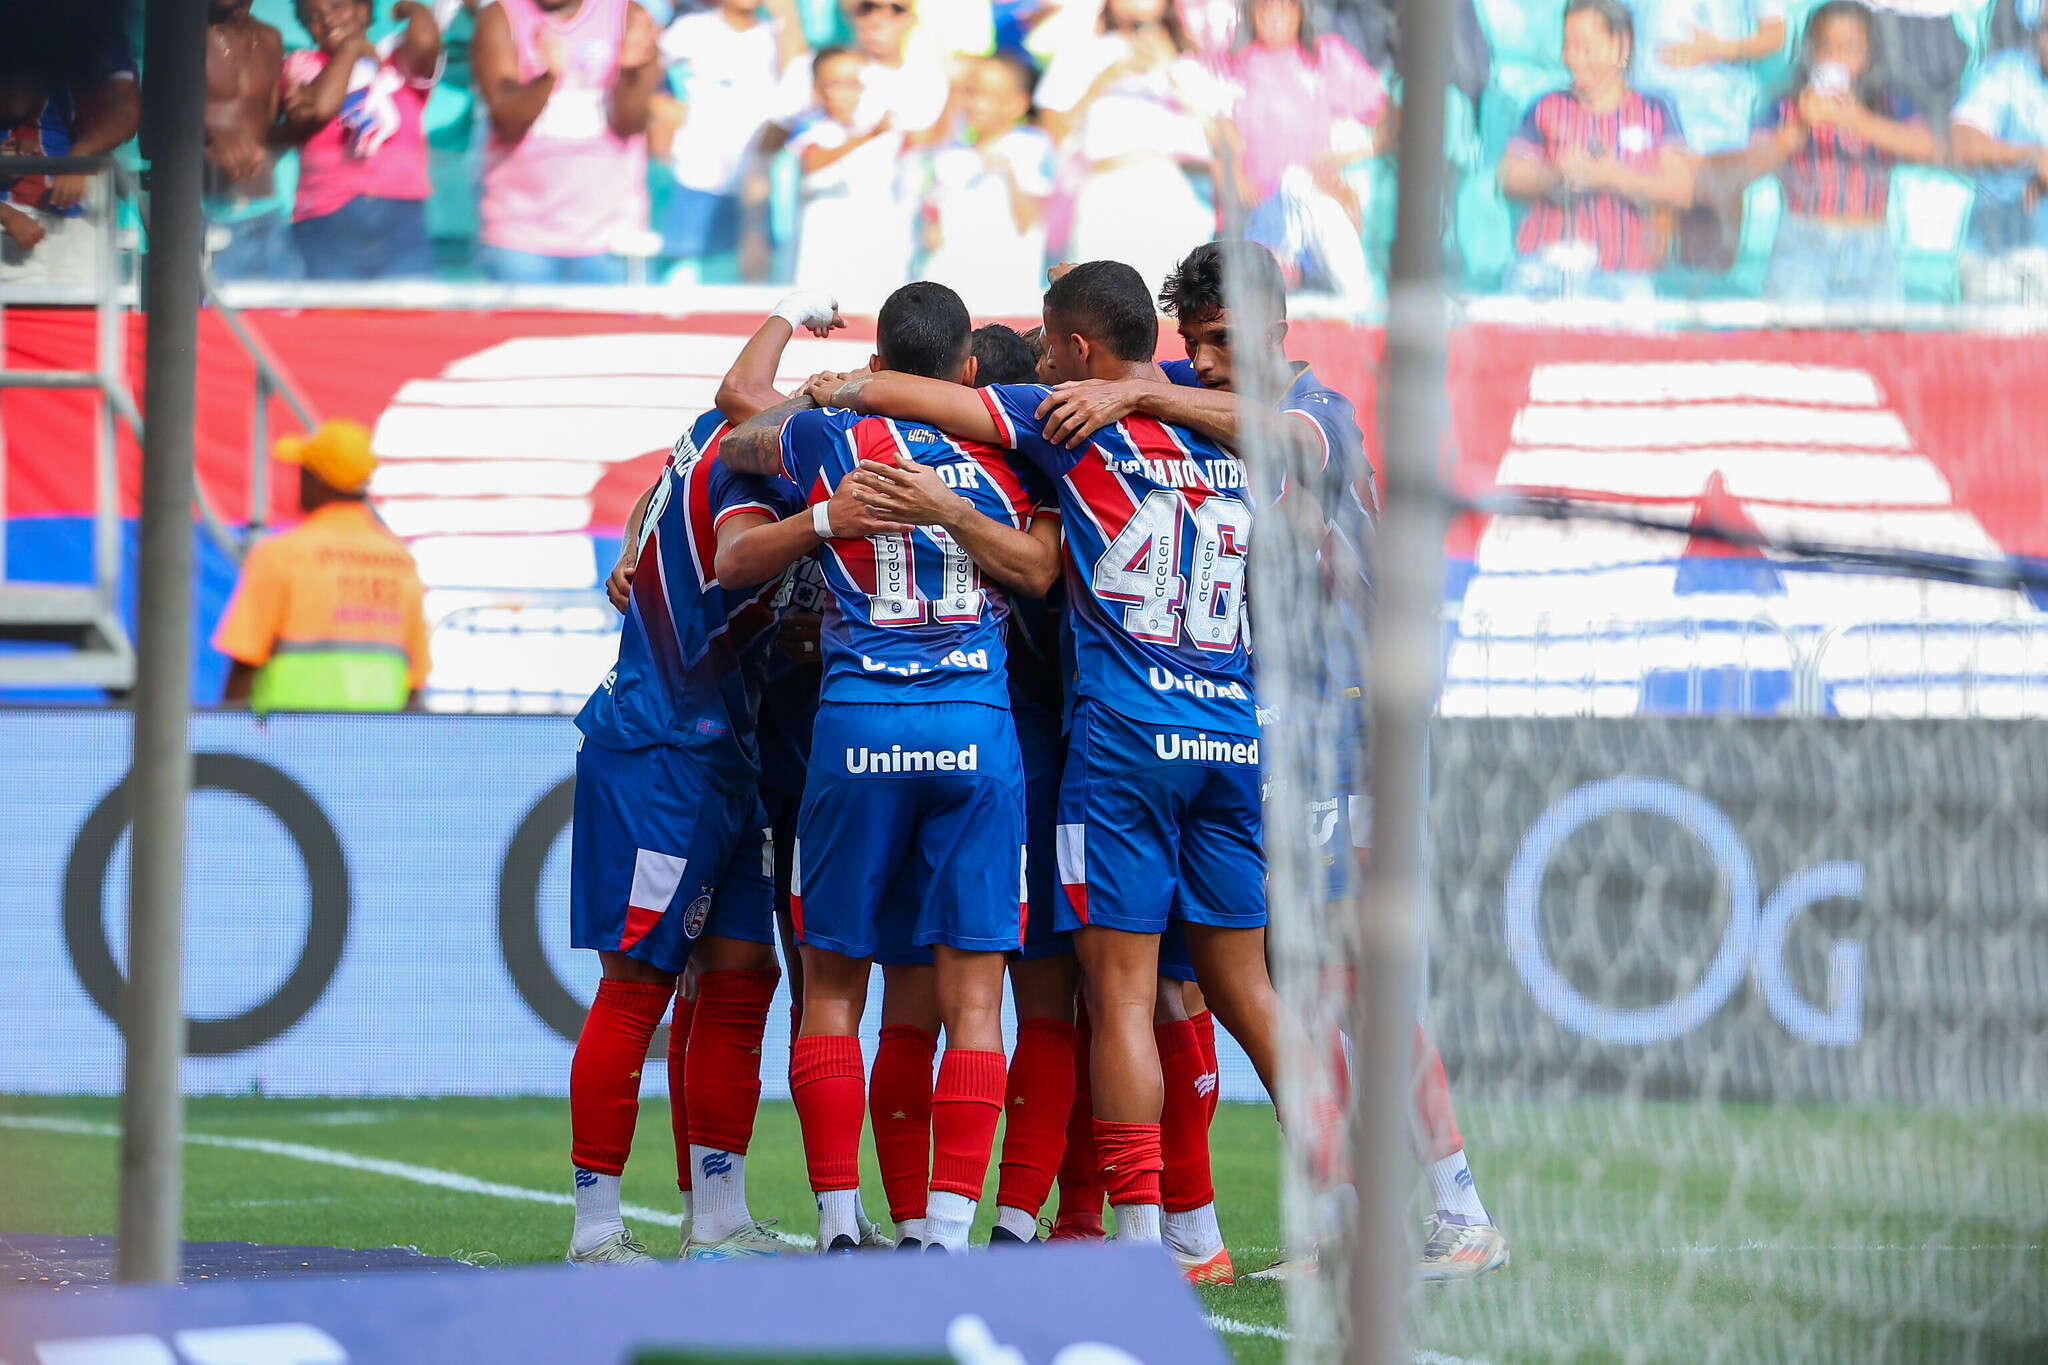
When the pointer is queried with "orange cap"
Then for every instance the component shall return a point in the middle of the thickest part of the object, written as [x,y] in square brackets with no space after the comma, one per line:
[338,454]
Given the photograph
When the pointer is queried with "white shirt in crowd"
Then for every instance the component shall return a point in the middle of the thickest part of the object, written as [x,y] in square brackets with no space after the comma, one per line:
[982,254]
[853,224]
[730,89]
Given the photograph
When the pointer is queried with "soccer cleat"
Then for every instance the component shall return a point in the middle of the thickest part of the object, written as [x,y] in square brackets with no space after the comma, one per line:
[754,1240]
[872,1238]
[1003,1237]
[1461,1251]
[617,1249]
[1215,1270]
[910,1244]
[842,1245]
[1298,1266]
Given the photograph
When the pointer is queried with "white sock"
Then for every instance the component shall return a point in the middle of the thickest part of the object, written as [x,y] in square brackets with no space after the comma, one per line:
[947,1219]
[1137,1222]
[597,1209]
[1195,1232]
[721,1177]
[838,1212]
[910,1229]
[1017,1221]
[1457,1197]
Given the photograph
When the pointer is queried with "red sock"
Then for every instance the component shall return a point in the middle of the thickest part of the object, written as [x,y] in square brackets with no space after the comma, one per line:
[1131,1161]
[1212,1091]
[604,1078]
[900,1106]
[1081,1190]
[1035,1113]
[826,1080]
[678,1085]
[1184,1118]
[966,1102]
[1436,1122]
[725,1056]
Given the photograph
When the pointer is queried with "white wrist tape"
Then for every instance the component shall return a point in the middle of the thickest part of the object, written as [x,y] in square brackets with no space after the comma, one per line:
[821,520]
[806,308]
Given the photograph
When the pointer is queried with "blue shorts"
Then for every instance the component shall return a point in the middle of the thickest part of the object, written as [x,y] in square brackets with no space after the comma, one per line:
[1045,751]
[1175,962]
[1159,823]
[660,856]
[927,796]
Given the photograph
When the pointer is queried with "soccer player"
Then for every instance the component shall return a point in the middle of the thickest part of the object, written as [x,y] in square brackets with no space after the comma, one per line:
[1159,816]
[914,803]
[667,850]
[1460,1239]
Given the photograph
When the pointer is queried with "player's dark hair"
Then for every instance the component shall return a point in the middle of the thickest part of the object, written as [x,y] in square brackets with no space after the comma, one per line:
[1002,356]
[1107,302]
[922,329]
[1196,287]
[1616,18]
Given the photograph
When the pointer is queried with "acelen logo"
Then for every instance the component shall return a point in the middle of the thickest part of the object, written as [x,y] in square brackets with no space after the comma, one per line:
[1754,936]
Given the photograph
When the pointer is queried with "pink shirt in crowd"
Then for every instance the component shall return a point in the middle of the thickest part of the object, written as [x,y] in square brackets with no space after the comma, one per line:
[571,184]
[375,148]
[1289,103]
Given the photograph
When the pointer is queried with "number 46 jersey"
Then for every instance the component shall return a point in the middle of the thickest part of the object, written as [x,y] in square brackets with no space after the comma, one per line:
[1158,526]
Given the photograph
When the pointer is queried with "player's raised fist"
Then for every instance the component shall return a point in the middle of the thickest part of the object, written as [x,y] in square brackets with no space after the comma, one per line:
[814,310]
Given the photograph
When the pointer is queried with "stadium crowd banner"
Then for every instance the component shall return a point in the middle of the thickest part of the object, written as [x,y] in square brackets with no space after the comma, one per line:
[1114,1306]
[1832,912]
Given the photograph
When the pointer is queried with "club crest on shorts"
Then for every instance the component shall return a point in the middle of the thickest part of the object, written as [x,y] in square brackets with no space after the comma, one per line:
[694,917]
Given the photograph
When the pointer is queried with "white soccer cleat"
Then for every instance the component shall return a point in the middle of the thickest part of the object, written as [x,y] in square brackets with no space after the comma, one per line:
[756,1239]
[1293,1266]
[872,1238]
[1460,1251]
[617,1249]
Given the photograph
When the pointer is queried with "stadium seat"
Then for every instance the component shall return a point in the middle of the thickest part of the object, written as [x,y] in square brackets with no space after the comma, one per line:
[1763,205]
[1929,213]
[1523,30]
[1483,226]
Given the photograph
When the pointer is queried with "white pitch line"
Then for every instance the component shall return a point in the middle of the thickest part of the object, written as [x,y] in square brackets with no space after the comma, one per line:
[349,1161]
[1237,1328]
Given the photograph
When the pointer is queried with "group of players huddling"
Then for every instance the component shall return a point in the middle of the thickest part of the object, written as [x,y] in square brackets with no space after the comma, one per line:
[1018,739]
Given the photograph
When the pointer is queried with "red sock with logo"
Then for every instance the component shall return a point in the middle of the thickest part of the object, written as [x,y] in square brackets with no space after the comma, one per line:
[1205,1032]
[828,1083]
[1183,1118]
[900,1107]
[1081,1191]
[604,1078]
[725,1056]
[1131,1161]
[1036,1112]
[678,1085]
[1436,1122]
[966,1102]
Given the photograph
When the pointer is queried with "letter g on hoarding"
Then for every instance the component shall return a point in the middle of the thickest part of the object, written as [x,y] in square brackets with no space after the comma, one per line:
[1754,937]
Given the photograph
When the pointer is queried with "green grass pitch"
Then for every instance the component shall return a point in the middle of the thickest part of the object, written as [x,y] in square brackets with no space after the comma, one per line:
[1640,1232]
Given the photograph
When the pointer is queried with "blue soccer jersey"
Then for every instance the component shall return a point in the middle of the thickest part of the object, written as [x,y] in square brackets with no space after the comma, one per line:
[691,653]
[1158,529]
[910,618]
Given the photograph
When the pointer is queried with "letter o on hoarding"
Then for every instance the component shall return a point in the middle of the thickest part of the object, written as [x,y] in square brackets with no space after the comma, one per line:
[85,884]
[1521,908]
[519,911]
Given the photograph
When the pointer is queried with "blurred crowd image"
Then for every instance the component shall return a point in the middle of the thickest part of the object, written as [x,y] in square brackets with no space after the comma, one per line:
[1798,150]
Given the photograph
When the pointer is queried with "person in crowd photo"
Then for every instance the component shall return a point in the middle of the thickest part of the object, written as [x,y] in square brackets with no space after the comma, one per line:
[569,85]
[248,224]
[355,110]
[49,233]
[853,226]
[984,213]
[1308,106]
[1832,140]
[2000,132]
[1135,112]
[1600,166]
[725,65]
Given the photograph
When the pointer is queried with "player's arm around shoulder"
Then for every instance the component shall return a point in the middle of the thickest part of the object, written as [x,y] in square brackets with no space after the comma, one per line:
[952,408]
[755,446]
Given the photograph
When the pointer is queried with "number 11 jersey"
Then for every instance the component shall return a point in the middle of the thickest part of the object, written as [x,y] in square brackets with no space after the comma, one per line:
[1158,527]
